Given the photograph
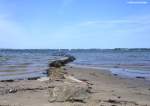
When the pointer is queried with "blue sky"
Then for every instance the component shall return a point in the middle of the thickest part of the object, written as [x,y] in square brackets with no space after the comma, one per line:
[74,24]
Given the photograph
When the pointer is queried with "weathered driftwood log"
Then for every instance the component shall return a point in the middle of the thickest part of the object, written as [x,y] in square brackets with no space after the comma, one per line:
[62,61]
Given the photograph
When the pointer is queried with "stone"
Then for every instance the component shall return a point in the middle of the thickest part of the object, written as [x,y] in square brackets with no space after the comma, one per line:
[33,78]
[56,63]
[7,80]
[63,87]
[73,92]
[12,90]
[62,61]
[56,73]
[43,79]
[140,77]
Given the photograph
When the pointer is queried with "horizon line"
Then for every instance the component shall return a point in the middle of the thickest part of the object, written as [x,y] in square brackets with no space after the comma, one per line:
[64,48]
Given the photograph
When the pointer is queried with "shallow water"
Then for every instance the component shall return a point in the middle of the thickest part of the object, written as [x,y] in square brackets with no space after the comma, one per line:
[21,64]
[131,73]
[131,64]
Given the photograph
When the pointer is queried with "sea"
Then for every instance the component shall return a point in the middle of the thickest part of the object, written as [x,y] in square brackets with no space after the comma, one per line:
[29,63]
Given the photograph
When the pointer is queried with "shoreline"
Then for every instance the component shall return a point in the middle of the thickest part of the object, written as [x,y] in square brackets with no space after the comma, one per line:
[105,87]
[123,72]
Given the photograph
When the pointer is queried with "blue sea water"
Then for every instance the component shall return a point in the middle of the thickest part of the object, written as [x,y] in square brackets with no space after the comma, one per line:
[22,64]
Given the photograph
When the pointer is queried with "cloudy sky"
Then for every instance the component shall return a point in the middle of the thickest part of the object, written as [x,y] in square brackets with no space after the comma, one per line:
[74,24]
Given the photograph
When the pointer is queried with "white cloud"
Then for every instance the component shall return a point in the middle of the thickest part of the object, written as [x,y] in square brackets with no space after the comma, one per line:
[119,27]
[102,33]
[138,2]
[127,20]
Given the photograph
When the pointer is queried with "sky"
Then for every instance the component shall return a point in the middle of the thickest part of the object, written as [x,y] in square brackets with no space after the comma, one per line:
[72,24]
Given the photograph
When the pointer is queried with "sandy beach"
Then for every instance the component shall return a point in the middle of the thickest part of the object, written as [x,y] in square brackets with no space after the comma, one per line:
[107,90]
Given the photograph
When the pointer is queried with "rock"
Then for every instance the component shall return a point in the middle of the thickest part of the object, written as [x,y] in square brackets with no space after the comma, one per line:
[43,79]
[7,91]
[70,58]
[7,80]
[56,63]
[140,77]
[112,101]
[115,74]
[64,69]
[64,87]
[73,92]
[119,97]
[33,78]
[12,90]
[56,73]
[62,61]
[45,73]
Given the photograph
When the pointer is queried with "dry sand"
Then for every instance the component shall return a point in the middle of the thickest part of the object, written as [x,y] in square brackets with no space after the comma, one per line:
[107,90]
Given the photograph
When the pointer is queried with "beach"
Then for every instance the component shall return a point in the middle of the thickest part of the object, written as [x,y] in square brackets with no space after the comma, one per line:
[107,90]
[74,53]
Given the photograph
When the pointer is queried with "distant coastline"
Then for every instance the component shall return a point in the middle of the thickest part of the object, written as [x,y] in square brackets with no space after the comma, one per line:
[91,49]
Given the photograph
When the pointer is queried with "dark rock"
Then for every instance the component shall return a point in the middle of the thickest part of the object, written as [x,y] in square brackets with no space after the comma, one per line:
[140,77]
[57,63]
[7,80]
[45,72]
[33,78]
[112,101]
[70,58]
[115,74]
[113,105]
[119,97]
[62,61]
[64,69]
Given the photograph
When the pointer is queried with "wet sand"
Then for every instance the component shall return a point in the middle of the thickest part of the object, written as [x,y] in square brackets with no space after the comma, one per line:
[107,90]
